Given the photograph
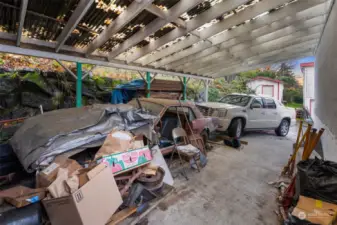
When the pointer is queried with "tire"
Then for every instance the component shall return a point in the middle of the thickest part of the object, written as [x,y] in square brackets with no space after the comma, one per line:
[236,128]
[283,128]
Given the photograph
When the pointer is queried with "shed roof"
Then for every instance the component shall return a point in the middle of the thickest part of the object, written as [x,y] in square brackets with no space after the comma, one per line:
[199,38]
[308,64]
[267,79]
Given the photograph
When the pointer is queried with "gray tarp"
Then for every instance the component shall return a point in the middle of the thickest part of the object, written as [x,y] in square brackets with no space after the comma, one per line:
[45,136]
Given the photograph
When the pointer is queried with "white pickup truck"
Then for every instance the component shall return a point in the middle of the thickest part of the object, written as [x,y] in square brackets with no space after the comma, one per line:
[239,112]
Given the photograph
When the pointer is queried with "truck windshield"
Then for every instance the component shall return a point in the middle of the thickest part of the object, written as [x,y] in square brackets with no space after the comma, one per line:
[240,100]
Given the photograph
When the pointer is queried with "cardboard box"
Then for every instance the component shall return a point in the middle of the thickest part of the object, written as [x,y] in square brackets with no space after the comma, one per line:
[315,211]
[93,203]
[20,196]
[48,175]
[125,161]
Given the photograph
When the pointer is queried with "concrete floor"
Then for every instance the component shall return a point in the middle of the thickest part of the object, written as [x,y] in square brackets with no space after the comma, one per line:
[233,188]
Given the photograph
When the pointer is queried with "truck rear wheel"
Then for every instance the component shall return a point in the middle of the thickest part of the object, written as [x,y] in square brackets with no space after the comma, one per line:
[283,129]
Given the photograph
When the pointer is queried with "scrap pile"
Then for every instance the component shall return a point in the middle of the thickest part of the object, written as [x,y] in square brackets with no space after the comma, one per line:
[94,165]
[308,185]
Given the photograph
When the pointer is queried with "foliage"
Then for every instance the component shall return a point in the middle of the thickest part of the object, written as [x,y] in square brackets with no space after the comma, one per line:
[58,99]
[293,95]
[293,92]
[35,78]
[194,89]
[295,105]
[213,94]
[11,75]
[99,80]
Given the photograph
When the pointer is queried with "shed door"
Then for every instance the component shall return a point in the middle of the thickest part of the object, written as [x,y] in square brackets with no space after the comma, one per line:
[268,90]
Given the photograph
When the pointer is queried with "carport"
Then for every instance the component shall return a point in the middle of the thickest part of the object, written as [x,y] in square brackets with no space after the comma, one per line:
[202,39]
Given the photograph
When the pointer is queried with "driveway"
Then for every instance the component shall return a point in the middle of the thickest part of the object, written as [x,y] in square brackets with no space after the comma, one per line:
[233,188]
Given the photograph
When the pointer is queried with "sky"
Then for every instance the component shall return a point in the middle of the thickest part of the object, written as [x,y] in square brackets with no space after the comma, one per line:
[297,68]
[296,64]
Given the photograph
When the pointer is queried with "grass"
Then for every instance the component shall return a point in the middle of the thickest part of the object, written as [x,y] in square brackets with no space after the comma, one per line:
[294,105]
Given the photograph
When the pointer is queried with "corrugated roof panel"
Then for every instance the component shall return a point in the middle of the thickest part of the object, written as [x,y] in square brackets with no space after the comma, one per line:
[202,7]
[93,23]
[46,19]
[130,29]
[58,9]
[165,4]
[9,15]
[166,29]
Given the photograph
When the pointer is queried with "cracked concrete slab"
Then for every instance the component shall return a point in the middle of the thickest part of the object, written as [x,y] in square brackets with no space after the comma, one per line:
[233,188]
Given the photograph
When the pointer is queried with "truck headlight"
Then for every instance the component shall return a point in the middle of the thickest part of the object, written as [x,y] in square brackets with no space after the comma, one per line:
[221,113]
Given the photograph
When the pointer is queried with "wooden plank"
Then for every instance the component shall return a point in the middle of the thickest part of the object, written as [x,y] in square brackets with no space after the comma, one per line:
[121,215]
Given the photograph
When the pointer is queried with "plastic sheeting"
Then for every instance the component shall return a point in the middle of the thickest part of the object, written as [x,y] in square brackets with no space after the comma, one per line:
[318,179]
[45,136]
[125,92]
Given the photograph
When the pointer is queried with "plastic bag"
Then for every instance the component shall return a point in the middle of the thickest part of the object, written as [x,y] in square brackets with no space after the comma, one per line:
[318,179]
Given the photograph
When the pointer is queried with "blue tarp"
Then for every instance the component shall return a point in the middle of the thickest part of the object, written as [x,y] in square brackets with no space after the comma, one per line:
[123,93]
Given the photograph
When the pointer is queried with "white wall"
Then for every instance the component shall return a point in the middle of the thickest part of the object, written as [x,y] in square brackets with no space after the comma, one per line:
[257,85]
[309,88]
[326,86]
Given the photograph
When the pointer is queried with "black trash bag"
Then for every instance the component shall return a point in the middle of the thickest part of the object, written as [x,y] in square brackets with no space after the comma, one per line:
[318,179]
[29,215]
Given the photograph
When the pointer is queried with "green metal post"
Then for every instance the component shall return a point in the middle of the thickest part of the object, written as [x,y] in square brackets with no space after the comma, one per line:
[148,81]
[184,93]
[79,85]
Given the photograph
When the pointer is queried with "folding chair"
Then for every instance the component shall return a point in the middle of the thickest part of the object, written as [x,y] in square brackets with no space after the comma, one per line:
[187,150]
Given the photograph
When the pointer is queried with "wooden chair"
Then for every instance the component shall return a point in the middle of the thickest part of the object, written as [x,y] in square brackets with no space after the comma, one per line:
[185,149]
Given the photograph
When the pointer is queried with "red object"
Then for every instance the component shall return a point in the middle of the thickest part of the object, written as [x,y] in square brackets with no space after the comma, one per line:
[13,120]
[308,64]
[288,196]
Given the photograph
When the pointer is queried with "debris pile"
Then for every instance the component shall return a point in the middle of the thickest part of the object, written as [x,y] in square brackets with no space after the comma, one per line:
[308,184]
[68,161]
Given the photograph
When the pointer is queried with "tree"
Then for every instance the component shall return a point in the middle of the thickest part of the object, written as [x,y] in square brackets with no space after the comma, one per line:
[285,70]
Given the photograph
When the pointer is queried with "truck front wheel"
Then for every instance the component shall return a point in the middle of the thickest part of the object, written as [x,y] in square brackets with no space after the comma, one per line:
[236,128]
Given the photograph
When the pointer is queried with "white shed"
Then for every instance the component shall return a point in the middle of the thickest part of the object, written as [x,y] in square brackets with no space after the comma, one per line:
[267,86]
[308,70]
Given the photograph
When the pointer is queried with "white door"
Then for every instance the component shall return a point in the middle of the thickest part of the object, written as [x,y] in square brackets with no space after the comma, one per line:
[271,116]
[268,90]
[255,116]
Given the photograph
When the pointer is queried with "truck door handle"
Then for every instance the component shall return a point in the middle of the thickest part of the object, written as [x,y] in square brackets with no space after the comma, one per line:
[263,113]
[275,113]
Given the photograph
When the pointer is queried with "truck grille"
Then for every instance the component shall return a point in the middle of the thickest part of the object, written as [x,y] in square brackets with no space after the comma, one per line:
[205,111]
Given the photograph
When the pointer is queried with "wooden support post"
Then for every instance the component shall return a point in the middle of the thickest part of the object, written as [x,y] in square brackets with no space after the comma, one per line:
[79,85]
[148,84]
